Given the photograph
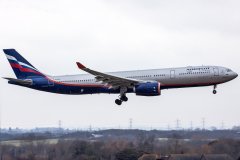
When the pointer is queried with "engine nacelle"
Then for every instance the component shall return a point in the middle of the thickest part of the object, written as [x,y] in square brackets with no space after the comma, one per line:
[148,89]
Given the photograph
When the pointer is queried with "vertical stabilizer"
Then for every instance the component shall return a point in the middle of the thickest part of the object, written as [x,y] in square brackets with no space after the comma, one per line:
[21,67]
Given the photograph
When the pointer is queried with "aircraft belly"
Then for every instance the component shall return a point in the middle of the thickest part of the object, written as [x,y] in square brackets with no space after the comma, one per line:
[189,81]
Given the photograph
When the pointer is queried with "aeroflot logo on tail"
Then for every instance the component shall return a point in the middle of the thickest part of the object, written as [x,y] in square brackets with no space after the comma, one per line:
[21,63]
[11,58]
[22,66]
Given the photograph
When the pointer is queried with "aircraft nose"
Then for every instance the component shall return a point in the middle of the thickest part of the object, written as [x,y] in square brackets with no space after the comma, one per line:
[235,75]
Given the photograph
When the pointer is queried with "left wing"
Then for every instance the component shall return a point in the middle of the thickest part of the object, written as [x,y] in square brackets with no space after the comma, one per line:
[110,80]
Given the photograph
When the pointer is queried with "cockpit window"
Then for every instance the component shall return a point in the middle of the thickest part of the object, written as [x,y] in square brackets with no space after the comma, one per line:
[229,70]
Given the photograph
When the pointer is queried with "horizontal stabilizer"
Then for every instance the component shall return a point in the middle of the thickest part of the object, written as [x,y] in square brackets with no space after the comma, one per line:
[27,82]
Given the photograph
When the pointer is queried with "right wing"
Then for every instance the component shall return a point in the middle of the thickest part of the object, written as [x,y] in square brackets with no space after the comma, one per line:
[109,79]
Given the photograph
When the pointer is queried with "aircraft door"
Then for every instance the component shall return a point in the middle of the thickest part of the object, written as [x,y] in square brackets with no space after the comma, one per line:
[50,83]
[216,71]
[172,74]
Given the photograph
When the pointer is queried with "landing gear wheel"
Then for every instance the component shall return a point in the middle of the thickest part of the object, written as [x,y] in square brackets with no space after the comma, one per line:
[214,92]
[118,102]
[124,98]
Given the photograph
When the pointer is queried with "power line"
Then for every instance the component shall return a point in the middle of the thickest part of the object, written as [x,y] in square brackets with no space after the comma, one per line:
[203,124]
[90,128]
[177,124]
[222,125]
[191,126]
[168,127]
[130,123]
[59,124]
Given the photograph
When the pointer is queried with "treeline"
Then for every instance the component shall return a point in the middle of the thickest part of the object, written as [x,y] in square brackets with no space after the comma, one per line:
[117,149]
[184,134]
[127,134]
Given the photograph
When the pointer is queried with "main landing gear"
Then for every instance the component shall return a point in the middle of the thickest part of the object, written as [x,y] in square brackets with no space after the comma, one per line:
[214,89]
[122,97]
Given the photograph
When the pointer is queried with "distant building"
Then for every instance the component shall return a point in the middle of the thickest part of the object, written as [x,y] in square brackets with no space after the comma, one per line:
[149,157]
[216,157]
[187,157]
[184,157]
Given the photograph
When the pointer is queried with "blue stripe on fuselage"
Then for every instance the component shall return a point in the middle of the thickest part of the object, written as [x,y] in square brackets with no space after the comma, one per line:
[74,89]
[65,89]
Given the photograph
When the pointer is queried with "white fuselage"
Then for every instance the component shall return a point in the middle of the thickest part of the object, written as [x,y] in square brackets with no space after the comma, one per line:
[141,82]
[169,77]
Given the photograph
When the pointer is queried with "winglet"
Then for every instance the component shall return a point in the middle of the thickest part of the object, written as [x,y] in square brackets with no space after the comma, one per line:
[80,66]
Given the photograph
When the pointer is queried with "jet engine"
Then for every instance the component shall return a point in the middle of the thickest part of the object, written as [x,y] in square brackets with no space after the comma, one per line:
[148,89]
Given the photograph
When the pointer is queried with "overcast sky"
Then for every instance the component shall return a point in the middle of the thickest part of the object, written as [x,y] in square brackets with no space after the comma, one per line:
[111,35]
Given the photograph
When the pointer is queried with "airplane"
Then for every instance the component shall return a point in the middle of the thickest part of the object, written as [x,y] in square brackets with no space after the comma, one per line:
[140,82]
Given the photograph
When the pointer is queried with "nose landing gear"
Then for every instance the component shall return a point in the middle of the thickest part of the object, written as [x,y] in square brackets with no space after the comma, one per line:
[214,89]
[214,92]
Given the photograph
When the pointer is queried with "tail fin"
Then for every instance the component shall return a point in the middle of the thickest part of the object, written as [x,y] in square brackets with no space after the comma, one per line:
[21,67]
